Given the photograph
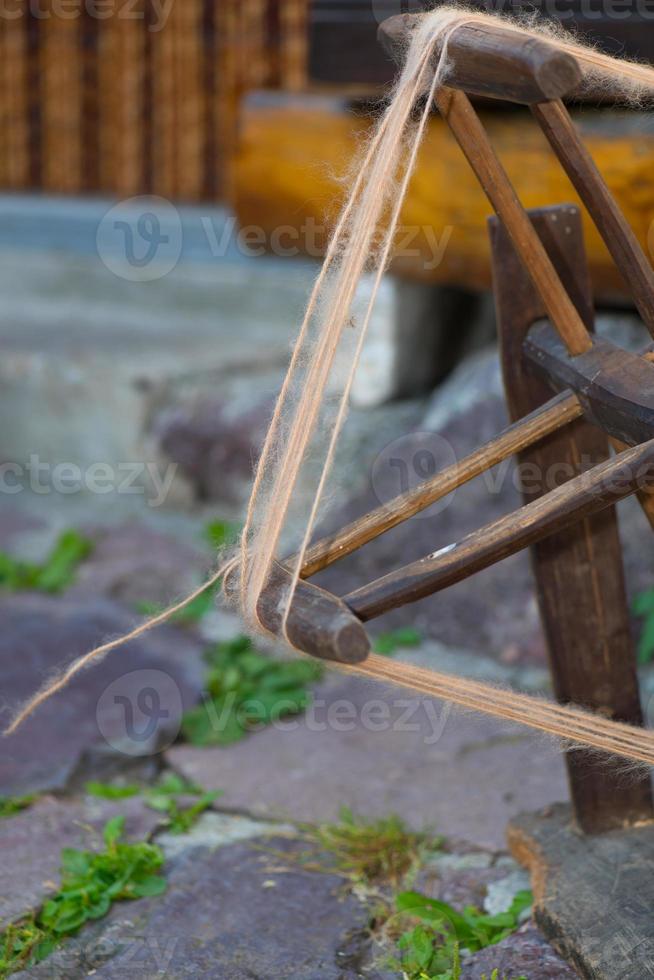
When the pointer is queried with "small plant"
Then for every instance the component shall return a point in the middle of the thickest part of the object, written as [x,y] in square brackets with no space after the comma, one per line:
[10,805]
[431,949]
[389,643]
[372,851]
[222,534]
[643,606]
[55,574]
[245,689]
[163,798]
[90,883]
[108,791]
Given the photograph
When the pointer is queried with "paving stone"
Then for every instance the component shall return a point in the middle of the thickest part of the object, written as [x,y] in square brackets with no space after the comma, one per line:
[128,706]
[241,911]
[31,843]
[134,563]
[524,954]
[379,750]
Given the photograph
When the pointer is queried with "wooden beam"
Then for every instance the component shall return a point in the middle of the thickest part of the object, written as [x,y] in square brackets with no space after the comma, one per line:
[614,386]
[291,151]
[579,573]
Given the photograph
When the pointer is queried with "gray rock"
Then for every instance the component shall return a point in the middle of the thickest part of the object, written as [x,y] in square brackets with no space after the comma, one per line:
[243,911]
[128,706]
[31,843]
[381,750]
[524,954]
[134,563]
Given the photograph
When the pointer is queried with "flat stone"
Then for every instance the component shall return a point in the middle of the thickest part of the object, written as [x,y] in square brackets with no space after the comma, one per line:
[381,750]
[593,894]
[31,843]
[123,710]
[134,563]
[526,953]
[240,911]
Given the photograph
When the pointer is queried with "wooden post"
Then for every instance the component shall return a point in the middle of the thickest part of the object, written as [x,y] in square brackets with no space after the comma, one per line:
[579,573]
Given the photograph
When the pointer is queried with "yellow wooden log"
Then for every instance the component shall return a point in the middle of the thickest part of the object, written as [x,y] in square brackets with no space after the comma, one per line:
[293,152]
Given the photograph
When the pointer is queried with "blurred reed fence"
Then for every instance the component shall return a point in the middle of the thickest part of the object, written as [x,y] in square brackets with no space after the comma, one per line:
[136,96]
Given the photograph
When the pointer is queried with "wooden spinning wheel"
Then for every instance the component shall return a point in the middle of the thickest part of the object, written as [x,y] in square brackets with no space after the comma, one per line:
[570,396]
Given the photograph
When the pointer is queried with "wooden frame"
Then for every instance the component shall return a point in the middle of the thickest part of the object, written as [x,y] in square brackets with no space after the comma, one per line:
[603,396]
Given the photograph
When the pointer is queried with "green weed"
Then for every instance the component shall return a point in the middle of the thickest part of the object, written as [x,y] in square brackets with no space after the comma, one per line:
[55,574]
[162,797]
[430,950]
[9,805]
[221,534]
[389,643]
[246,689]
[643,607]
[371,852]
[90,883]
[108,791]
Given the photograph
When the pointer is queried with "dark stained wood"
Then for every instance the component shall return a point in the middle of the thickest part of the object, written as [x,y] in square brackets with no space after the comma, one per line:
[562,508]
[579,573]
[615,387]
[629,257]
[561,410]
[593,896]
[456,109]
[319,623]
[499,62]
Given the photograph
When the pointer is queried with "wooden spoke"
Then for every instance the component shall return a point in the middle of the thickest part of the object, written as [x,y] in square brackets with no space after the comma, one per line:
[629,257]
[571,502]
[545,420]
[469,132]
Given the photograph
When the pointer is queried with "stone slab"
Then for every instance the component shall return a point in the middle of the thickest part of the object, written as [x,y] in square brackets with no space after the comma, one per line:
[380,750]
[128,706]
[524,954]
[235,912]
[31,843]
[594,895]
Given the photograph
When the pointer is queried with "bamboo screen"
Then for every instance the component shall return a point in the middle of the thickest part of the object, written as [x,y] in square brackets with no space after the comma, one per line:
[136,96]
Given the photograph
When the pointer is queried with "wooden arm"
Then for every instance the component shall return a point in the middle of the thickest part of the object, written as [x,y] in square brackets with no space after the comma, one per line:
[496,61]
